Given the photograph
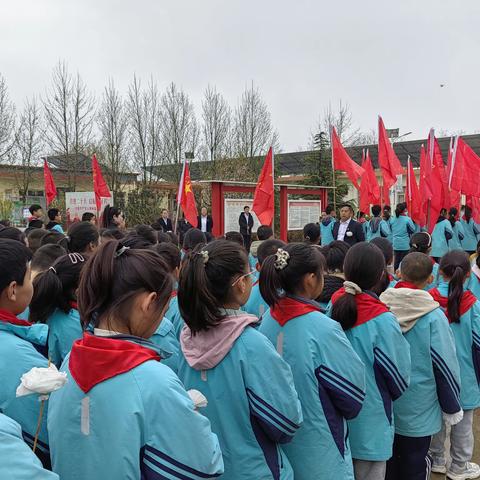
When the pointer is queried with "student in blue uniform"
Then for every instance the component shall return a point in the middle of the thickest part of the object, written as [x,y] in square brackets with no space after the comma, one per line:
[326,226]
[83,238]
[252,402]
[311,234]
[333,279]
[21,344]
[402,229]
[421,242]
[329,376]
[441,236]
[474,281]
[256,305]
[54,302]
[387,216]
[376,337]
[388,280]
[458,232]
[435,378]
[471,232]
[264,232]
[376,226]
[17,461]
[463,312]
[122,413]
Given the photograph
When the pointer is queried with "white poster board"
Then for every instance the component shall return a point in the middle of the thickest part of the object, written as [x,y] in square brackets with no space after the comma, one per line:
[233,207]
[301,212]
[78,203]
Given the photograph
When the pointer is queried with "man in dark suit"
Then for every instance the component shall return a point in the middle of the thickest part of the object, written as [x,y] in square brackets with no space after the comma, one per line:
[246,224]
[164,222]
[205,221]
[347,229]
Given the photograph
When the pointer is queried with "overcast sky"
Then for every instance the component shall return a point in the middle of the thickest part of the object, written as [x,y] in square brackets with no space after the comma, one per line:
[381,57]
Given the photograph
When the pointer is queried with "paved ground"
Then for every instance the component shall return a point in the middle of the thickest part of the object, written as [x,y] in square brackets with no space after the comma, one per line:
[476,451]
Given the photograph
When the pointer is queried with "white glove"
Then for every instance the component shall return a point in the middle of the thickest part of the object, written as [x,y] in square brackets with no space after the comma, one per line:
[42,381]
[199,400]
[453,418]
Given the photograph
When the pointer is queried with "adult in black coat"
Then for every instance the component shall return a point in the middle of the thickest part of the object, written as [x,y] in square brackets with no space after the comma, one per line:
[246,224]
[206,226]
[164,222]
[347,229]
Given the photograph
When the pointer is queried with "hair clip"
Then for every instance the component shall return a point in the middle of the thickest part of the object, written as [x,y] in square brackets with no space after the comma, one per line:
[281,259]
[352,288]
[204,255]
[121,251]
[75,258]
[53,270]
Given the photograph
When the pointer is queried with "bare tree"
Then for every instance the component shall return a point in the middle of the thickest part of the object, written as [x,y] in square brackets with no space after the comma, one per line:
[69,111]
[28,145]
[7,120]
[253,130]
[112,121]
[216,115]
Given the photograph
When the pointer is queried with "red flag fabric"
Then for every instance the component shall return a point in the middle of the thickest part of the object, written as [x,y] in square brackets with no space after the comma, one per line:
[186,197]
[464,177]
[342,161]
[50,187]
[100,186]
[453,195]
[369,188]
[412,196]
[474,204]
[388,161]
[264,198]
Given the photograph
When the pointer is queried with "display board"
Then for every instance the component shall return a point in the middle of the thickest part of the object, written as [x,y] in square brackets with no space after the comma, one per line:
[301,212]
[233,207]
[78,203]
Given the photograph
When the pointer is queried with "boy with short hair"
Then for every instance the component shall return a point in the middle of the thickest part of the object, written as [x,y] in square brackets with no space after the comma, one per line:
[55,218]
[264,232]
[435,378]
[36,212]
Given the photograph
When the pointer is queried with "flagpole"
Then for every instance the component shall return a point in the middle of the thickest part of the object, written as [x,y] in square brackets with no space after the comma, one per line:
[180,193]
[273,181]
[333,172]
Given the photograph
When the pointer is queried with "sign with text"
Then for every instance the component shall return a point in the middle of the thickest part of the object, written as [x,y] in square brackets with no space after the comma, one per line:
[233,209]
[301,212]
[78,203]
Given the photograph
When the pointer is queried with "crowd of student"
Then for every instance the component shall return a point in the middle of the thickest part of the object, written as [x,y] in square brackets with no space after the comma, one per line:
[307,361]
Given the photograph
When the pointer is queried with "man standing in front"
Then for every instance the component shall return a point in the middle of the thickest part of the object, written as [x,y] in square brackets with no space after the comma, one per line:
[347,229]
[205,221]
[246,224]
[164,222]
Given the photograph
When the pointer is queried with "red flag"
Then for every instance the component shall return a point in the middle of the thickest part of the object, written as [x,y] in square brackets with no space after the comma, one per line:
[100,186]
[454,196]
[342,161]
[388,161]
[369,188]
[412,196]
[186,197]
[264,198]
[50,188]
[474,204]
[466,165]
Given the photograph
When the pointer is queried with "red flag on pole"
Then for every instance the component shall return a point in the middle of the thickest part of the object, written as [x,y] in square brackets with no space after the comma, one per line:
[466,165]
[264,198]
[369,188]
[100,186]
[342,161]
[388,161]
[414,204]
[474,204]
[454,196]
[50,187]
[186,197]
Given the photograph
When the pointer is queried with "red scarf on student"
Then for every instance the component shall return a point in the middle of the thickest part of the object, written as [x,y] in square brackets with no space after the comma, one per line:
[9,317]
[368,307]
[96,359]
[74,305]
[466,303]
[173,294]
[287,308]
[403,284]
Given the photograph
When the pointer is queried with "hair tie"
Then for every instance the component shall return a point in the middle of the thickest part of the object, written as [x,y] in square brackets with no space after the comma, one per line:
[121,251]
[352,288]
[281,259]
[53,270]
[204,255]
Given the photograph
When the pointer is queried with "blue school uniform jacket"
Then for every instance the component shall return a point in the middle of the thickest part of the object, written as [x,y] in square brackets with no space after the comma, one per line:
[458,235]
[330,381]
[173,314]
[326,231]
[376,227]
[256,305]
[124,415]
[20,343]
[467,343]
[441,237]
[435,374]
[63,330]
[402,229]
[252,402]
[17,461]
[474,283]
[378,341]
[471,232]
[166,339]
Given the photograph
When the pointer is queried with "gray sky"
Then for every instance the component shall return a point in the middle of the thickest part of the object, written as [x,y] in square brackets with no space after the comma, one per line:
[378,56]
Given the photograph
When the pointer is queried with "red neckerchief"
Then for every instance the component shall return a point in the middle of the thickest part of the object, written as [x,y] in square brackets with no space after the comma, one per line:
[466,303]
[173,294]
[433,260]
[287,308]
[256,283]
[391,277]
[74,305]
[403,284]
[96,359]
[368,307]
[9,317]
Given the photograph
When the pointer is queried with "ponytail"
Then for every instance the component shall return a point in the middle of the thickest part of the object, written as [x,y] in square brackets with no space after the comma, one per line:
[452,216]
[344,311]
[108,214]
